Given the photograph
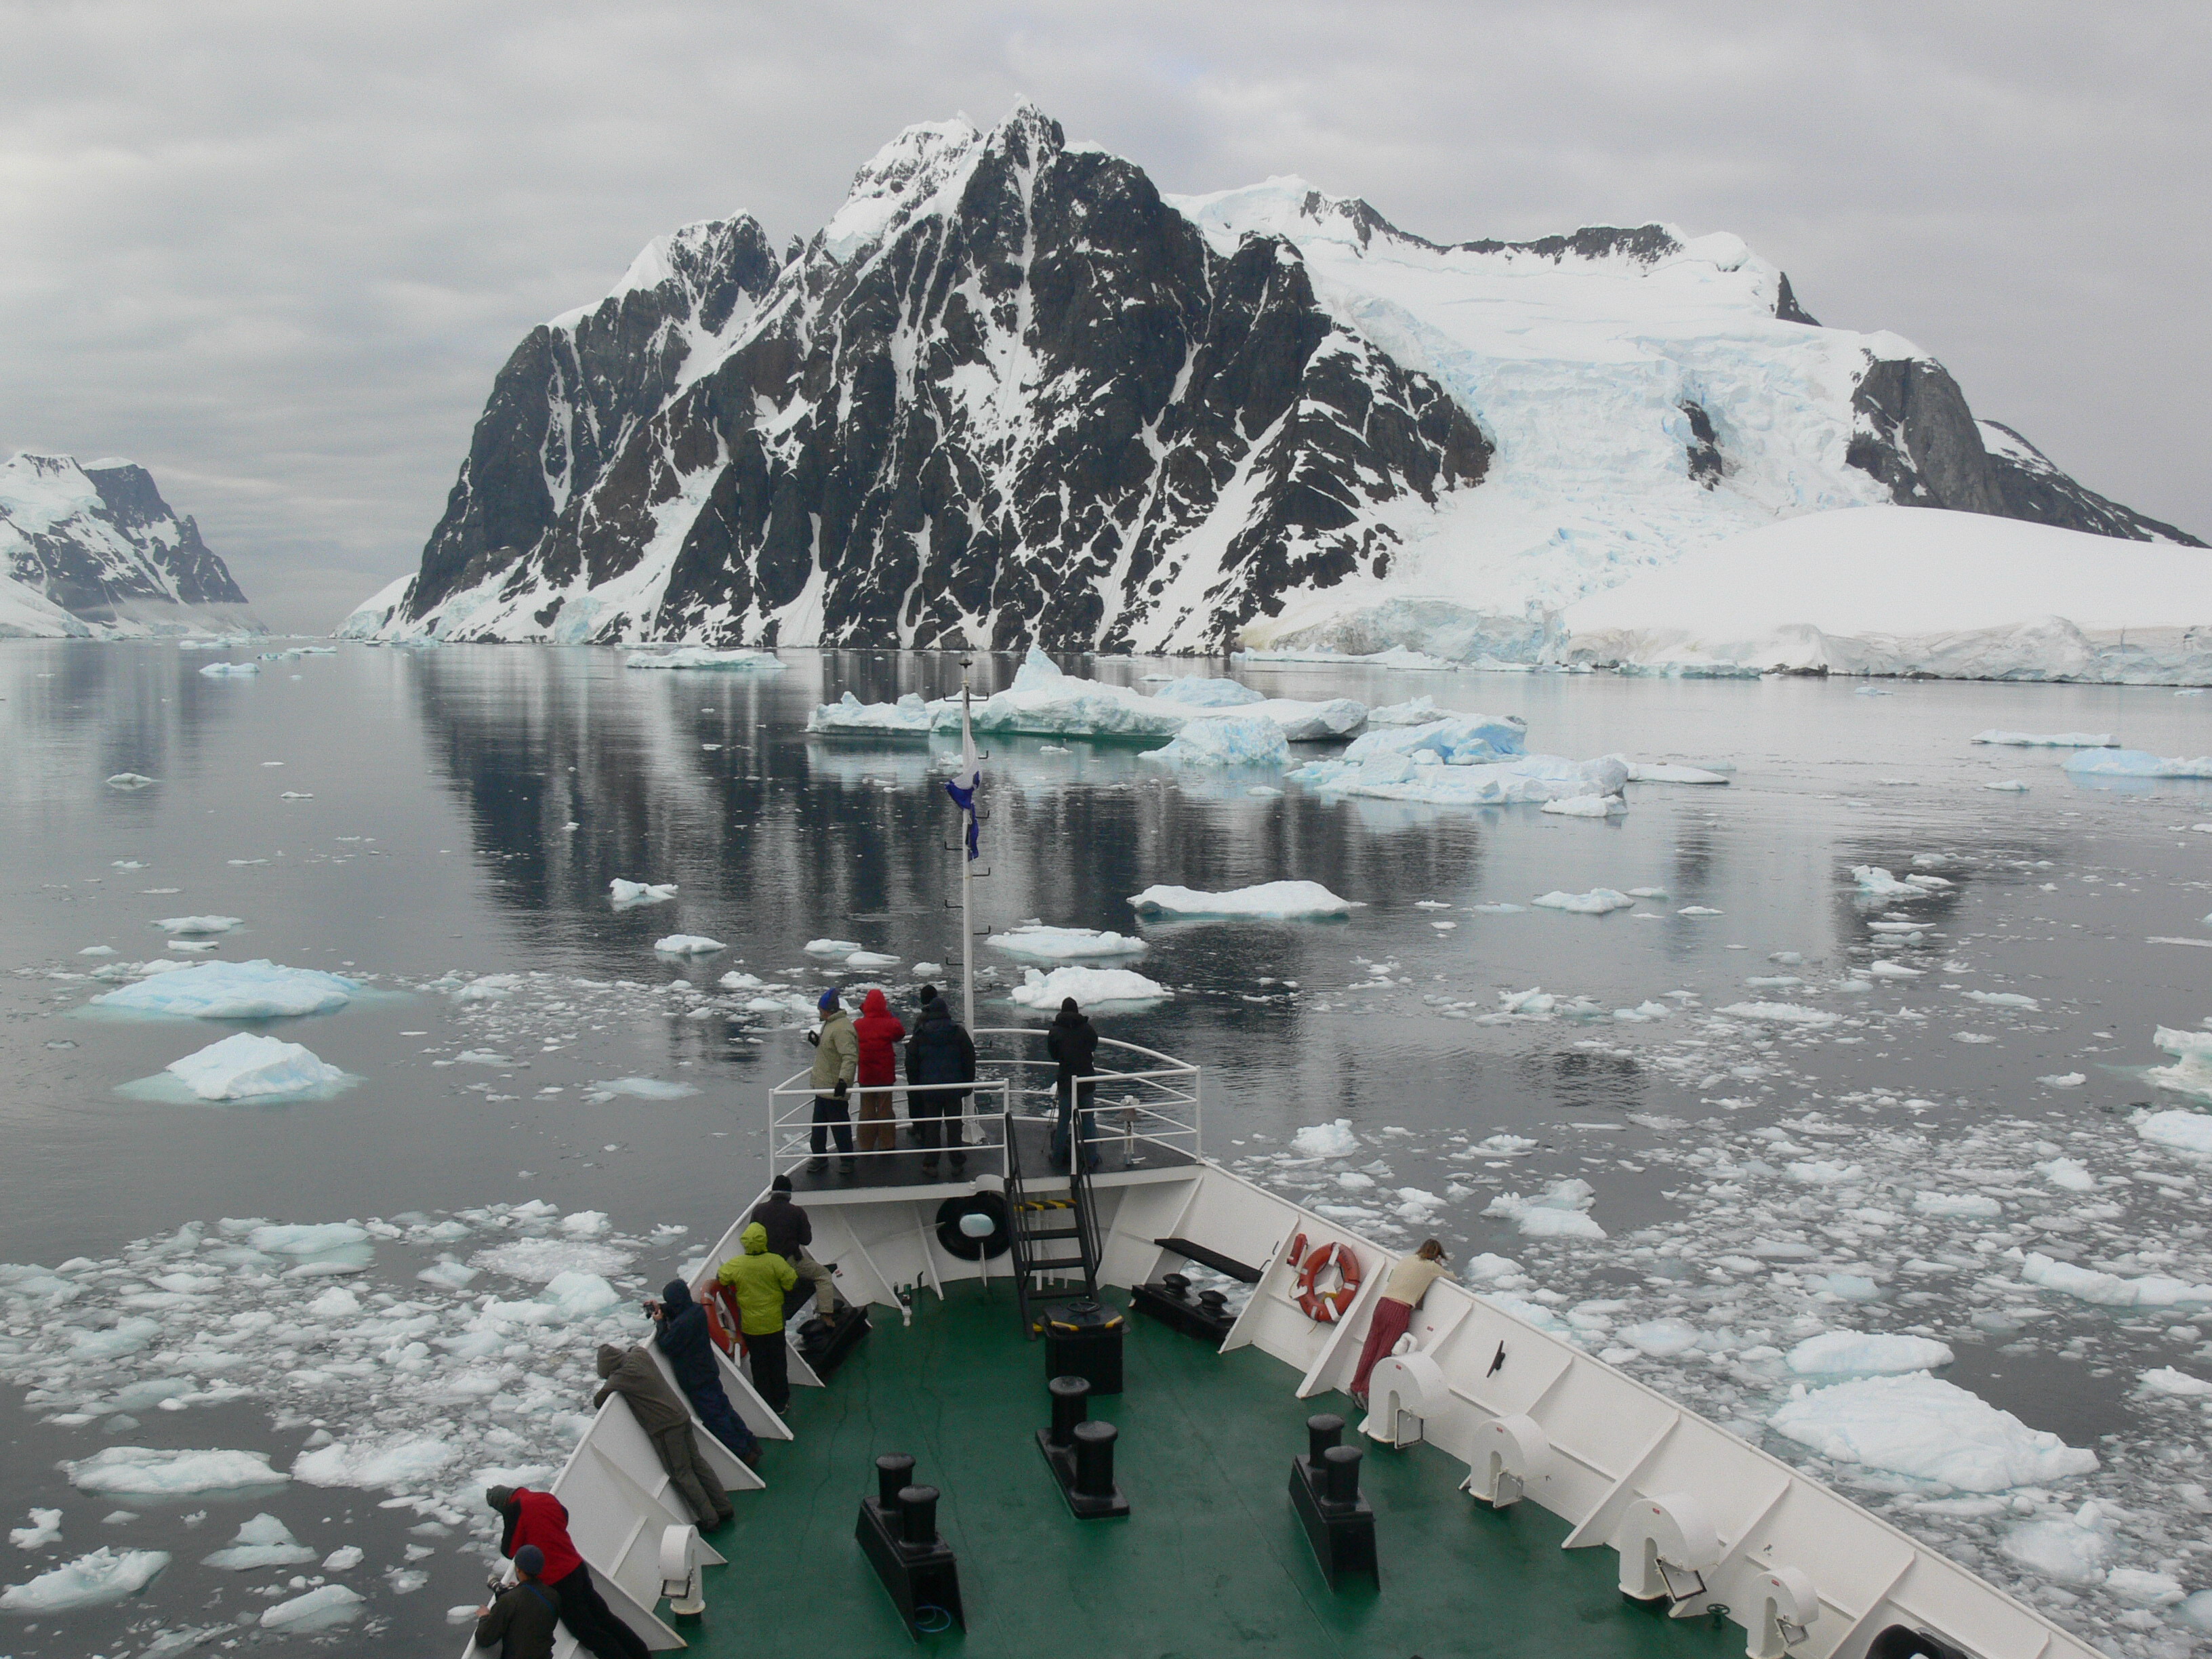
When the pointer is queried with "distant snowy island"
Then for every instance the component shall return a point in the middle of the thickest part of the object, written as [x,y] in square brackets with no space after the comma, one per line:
[1293,426]
[90,550]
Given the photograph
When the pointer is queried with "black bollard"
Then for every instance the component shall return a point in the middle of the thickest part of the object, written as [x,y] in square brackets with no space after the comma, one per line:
[1341,1474]
[918,1514]
[897,1532]
[1323,1429]
[894,1474]
[1215,1304]
[1175,1284]
[1325,1491]
[1094,1459]
[1071,1405]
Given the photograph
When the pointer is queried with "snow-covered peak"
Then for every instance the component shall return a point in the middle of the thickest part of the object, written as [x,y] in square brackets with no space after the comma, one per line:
[100,542]
[1287,205]
[899,180]
[38,491]
[698,257]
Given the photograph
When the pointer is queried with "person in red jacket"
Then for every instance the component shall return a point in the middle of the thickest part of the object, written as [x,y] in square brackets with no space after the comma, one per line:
[539,1518]
[878,1033]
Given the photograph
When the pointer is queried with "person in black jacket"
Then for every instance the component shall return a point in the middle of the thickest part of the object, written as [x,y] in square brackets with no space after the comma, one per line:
[789,1233]
[683,1337]
[1073,1042]
[939,1051]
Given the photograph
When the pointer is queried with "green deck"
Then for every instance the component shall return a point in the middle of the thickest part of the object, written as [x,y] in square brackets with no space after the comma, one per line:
[1212,1561]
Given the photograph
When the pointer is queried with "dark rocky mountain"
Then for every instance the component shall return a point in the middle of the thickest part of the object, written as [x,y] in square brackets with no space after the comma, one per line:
[1010,393]
[98,540]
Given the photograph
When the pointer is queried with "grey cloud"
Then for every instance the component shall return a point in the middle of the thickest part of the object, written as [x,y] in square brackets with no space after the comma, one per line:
[277,252]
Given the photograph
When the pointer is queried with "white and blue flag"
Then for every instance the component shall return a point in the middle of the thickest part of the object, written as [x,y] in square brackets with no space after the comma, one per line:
[968,785]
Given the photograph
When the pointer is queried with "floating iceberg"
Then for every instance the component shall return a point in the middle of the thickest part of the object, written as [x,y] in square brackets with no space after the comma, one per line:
[1045,702]
[2045,739]
[1919,1425]
[1559,1213]
[1457,739]
[1277,900]
[2134,763]
[229,671]
[1309,722]
[909,717]
[1595,903]
[700,656]
[1876,882]
[394,1460]
[2189,1074]
[1239,739]
[832,947]
[1332,1140]
[190,925]
[323,1608]
[90,1581]
[646,1088]
[1197,691]
[871,959]
[1416,711]
[2112,1290]
[1042,943]
[688,945]
[142,1471]
[263,1541]
[625,894]
[235,990]
[1587,806]
[1854,1353]
[244,1067]
[1657,772]
[46,1529]
[1088,985]
[1956,1207]
[130,781]
[1397,656]
[1469,760]
[1780,1013]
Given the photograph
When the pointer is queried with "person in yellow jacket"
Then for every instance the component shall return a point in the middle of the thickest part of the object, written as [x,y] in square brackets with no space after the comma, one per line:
[758,1280]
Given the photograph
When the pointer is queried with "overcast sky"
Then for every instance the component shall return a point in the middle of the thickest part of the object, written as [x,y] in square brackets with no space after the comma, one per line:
[276,252]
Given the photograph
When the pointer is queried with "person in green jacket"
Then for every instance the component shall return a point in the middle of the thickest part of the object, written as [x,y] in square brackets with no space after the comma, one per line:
[758,1280]
[836,1062]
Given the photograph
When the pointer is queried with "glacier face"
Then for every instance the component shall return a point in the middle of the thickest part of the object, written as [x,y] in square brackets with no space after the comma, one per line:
[1011,394]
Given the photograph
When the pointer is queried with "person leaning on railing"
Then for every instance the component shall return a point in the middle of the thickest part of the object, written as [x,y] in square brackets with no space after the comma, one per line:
[940,1051]
[877,1033]
[1073,1043]
[836,1063]
[1402,1292]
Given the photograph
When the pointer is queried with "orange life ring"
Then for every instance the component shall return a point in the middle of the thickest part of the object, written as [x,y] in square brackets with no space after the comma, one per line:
[722,1321]
[1297,1250]
[1327,1307]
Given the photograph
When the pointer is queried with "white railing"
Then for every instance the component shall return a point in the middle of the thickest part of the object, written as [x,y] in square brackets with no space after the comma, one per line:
[1155,1104]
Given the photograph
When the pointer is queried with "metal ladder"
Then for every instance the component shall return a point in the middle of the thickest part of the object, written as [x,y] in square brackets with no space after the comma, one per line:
[1050,1238]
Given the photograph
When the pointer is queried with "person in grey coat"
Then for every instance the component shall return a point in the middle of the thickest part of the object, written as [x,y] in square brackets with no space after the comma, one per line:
[667,1420]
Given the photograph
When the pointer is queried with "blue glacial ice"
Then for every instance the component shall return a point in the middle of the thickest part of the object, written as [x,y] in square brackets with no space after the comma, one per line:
[2134,763]
[259,989]
[1234,739]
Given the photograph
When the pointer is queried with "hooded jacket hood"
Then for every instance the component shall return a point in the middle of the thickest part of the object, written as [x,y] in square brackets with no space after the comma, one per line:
[1071,1016]
[675,1295]
[875,1003]
[755,1239]
[610,1357]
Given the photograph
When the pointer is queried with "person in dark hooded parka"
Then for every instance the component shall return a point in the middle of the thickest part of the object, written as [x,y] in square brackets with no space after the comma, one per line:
[939,1051]
[683,1337]
[1073,1043]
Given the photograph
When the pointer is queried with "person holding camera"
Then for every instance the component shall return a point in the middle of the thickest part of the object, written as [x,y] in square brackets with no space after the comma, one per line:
[837,1064]
[519,1621]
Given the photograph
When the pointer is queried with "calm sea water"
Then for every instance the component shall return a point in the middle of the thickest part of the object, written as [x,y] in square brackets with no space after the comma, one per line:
[401,816]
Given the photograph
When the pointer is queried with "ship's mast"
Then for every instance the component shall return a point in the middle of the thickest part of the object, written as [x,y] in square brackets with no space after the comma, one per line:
[967,871]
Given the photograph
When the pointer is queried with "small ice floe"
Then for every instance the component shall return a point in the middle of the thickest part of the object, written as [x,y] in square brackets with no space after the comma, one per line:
[244,1066]
[1823,1172]
[1221,740]
[345,1558]
[489,987]
[1040,943]
[325,1607]
[1273,900]
[1198,692]
[2068,1549]
[1088,985]
[2009,785]
[2045,739]
[1560,1213]
[227,671]
[2189,1074]
[625,894]
[46,1529]
[2165,1380]
[2112,1290]
[1263,791]
[1587,806]
[1922,1426]
[832,947]
[2068,1174]
[1595,903]
[1332,1140]
[688,945]
[1697,911]
[259,989]
[702,657]
[1957,1207]
[1532,1003]
[1654,893]
[1657,772]
[2003,1000]
[142,1471]
[864,959]
[1893,970]
[90,1581]
[1498,909]
[1780,1014]
[928,969]
[2135,764]
[130,781]
[1857,1353]
[263,1541]
[909,717]
[392,1460]
[193,924]
[1875,882]
[642,1088]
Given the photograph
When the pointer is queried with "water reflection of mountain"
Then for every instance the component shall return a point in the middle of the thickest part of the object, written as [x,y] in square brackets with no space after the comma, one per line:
[116,707]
